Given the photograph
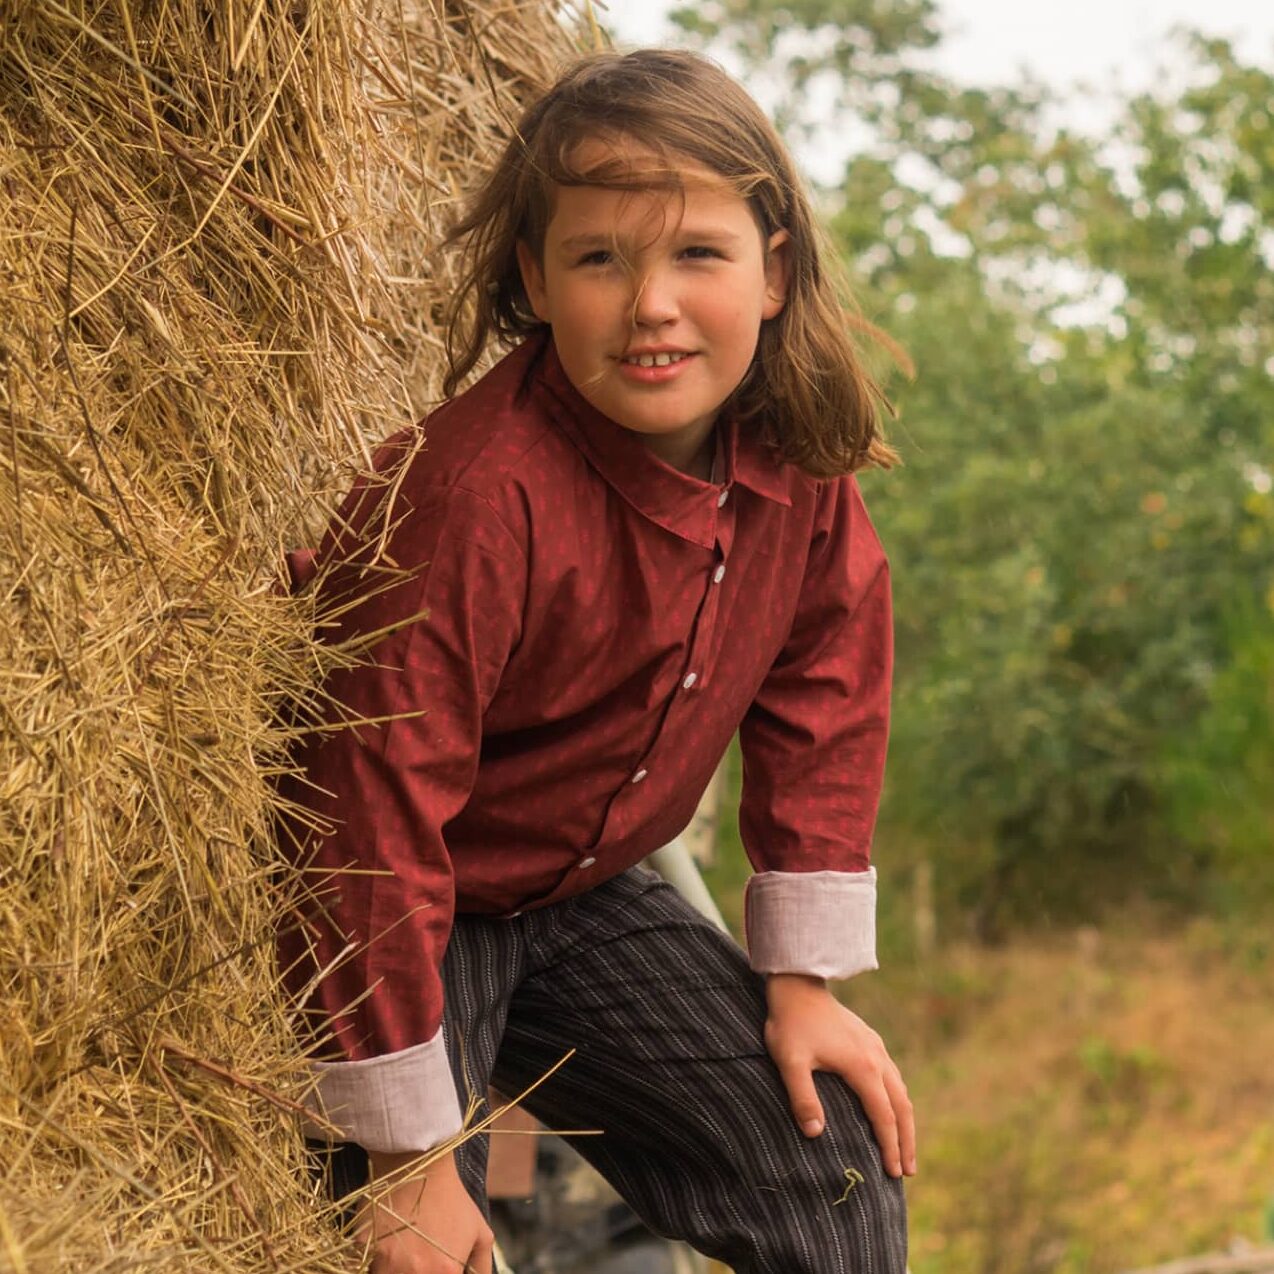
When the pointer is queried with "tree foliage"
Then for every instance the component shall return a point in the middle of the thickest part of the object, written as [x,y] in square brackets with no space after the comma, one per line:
[1085,512]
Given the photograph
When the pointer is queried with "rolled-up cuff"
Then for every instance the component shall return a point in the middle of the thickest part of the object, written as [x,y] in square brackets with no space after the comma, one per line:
[822,923]
[400,1102]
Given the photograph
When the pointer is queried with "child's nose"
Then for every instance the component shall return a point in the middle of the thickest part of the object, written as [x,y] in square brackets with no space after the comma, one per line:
[656,300]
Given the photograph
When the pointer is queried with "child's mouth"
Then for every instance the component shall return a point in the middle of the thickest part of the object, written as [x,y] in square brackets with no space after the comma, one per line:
[653,360]
[654,369]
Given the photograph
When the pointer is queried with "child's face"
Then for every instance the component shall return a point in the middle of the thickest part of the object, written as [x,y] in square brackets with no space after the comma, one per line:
[697,281]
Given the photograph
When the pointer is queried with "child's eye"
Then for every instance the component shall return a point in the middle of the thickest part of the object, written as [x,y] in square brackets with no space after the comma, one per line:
[700,252]
[598,256]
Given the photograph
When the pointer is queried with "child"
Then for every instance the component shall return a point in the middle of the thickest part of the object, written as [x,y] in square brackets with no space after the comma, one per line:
[634,536]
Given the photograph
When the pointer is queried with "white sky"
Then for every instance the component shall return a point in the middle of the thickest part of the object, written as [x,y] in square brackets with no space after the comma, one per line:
[1102,47]
[991,40]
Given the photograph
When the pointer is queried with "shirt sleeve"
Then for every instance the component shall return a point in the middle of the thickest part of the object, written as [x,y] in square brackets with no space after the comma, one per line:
[431,621]
[814,754]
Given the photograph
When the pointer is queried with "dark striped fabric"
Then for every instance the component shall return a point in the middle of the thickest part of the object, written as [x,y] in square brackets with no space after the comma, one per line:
[666,1021]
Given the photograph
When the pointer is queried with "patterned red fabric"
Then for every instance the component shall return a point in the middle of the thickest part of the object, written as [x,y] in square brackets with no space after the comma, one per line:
[578,630]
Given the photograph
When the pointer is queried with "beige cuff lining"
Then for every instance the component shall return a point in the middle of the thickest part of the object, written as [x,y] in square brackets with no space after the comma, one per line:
[822,923]
[399,1102]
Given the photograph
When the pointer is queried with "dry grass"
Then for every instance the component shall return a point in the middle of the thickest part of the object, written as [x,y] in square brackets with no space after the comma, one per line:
[215,287]
[1087,1106]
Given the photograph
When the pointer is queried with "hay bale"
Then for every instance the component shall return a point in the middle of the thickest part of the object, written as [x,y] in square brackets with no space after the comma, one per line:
[215,289]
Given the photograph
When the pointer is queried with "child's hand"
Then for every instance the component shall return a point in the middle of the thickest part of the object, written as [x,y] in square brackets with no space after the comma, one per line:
[808,1029]
[426,1223]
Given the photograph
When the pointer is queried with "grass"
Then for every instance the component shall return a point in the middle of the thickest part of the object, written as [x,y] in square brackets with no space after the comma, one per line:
[1089,1102]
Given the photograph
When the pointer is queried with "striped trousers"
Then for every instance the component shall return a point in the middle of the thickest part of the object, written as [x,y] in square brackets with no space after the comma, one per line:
[666,1020]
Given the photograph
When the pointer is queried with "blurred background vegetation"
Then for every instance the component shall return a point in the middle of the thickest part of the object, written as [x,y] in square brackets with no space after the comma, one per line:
[1075,844]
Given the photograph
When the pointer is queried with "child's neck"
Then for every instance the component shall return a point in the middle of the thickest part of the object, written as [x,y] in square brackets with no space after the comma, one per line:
[700,465]
[693,457]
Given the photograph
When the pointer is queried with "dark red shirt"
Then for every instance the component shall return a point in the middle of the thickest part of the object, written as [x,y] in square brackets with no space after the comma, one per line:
[578,630]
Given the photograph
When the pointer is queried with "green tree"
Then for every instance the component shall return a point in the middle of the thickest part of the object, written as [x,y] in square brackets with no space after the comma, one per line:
[1085,505]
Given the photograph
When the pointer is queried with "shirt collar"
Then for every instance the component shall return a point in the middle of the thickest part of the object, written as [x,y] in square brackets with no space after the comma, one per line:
[676,501]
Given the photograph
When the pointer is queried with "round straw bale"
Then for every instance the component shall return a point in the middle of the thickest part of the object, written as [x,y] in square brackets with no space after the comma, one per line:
[216,291]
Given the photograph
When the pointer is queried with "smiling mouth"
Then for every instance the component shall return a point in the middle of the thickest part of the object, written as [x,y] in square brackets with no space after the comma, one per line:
[653,360]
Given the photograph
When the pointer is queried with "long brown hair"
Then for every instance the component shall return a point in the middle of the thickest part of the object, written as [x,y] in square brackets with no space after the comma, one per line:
[807,392]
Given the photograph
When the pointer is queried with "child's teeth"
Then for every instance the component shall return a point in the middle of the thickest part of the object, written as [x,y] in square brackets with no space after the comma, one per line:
[656,360]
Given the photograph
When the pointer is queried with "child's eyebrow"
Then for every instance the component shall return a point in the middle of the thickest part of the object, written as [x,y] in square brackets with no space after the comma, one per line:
[574,242]
[708,234]
[683,233]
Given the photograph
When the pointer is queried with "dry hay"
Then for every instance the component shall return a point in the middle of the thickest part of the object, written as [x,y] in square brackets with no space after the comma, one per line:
[215,287]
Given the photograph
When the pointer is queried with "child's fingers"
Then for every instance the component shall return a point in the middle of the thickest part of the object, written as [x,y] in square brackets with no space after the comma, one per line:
[905,1114]
[884,1122]
[482,1260]
[807,1110]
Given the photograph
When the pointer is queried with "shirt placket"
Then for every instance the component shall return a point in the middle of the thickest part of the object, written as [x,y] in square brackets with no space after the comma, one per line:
[694,677]
[696,673]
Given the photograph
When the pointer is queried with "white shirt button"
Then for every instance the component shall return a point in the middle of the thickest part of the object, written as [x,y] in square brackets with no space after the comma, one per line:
[723,497]
[637,778]
[691,678]
[718,575]
[586,862]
